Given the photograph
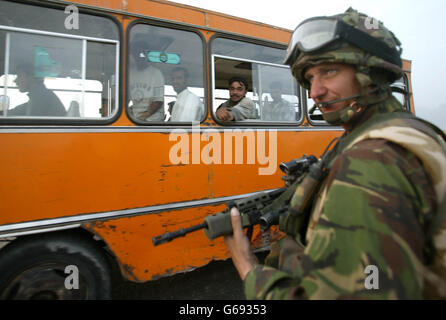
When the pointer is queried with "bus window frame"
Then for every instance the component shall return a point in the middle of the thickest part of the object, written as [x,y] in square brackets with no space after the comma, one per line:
[60,121]
[173,26]
[255,41]
[406,105]
[254,122]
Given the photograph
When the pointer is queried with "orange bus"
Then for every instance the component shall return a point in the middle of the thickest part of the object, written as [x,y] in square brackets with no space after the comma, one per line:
[89,175]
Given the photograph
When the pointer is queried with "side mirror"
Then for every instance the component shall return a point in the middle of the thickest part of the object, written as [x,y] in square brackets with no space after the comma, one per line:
[4,102]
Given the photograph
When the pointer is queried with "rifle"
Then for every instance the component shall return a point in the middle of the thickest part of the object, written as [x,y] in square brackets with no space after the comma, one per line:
[250,208]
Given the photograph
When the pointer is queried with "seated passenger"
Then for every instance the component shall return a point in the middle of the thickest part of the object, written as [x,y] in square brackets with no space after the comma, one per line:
[42,101]
[146,85]
[279,109]
[238,107]
[188,106]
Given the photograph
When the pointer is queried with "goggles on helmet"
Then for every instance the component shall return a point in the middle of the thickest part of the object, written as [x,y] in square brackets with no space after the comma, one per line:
[316,33]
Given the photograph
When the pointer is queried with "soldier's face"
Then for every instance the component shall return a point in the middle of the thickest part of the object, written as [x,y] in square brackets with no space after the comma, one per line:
[332,81]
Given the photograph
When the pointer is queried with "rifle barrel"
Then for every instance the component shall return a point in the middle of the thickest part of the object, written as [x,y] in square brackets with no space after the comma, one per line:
[169,236]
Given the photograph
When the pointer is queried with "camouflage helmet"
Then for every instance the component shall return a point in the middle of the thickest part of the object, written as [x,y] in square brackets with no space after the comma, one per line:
[356,39]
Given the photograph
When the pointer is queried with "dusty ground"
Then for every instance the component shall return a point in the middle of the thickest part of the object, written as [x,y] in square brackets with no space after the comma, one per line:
[216,281]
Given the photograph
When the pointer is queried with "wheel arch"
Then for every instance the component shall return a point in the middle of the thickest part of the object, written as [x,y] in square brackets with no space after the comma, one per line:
[81,235]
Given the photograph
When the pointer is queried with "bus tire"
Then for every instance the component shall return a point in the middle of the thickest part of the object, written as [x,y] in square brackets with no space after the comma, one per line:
[57,265]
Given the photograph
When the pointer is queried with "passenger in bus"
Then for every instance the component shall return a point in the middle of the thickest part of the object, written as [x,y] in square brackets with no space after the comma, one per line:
[238,107]
[279,109]
[42,101]
[188,106]
[146,85]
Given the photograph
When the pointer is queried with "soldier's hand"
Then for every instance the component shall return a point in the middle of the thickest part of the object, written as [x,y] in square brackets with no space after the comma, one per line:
[239,246]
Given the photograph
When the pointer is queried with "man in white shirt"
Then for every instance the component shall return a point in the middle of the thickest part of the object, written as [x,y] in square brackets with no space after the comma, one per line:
[146,87]
[187,107]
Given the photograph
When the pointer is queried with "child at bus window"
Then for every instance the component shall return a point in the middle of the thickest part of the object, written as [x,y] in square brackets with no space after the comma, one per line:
[238,107]
[42,101]
[146,86]
[188,106]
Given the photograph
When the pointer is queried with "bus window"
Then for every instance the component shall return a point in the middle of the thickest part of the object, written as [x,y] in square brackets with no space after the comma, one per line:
[62,75]
[166,77]
[270,84]
[400,88]
[247,50]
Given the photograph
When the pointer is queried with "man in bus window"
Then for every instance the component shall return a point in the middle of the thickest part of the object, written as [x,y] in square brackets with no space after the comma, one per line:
[279,109]
[188,106]
[365,222]
[42,101]
[146,85]
[238,107]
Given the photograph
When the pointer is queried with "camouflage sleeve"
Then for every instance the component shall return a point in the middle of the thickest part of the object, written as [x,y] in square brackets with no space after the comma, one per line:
[368,240]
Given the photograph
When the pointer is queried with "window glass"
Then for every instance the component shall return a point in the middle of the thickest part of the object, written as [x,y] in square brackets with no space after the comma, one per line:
[272,93]
[166,78]
[400,87]
[53,72]
[279,94]
[27,16]
[248,51]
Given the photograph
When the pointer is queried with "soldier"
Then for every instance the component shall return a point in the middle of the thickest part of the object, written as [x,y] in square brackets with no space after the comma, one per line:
[366,232]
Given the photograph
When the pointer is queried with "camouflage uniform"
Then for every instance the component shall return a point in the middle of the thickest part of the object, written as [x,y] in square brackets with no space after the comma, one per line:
[385,180]
[372,209]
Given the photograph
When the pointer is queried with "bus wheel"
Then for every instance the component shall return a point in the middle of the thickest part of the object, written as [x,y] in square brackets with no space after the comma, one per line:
[55,266]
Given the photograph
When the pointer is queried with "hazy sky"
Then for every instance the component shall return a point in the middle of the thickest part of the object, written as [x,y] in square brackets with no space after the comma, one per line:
[420,26]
